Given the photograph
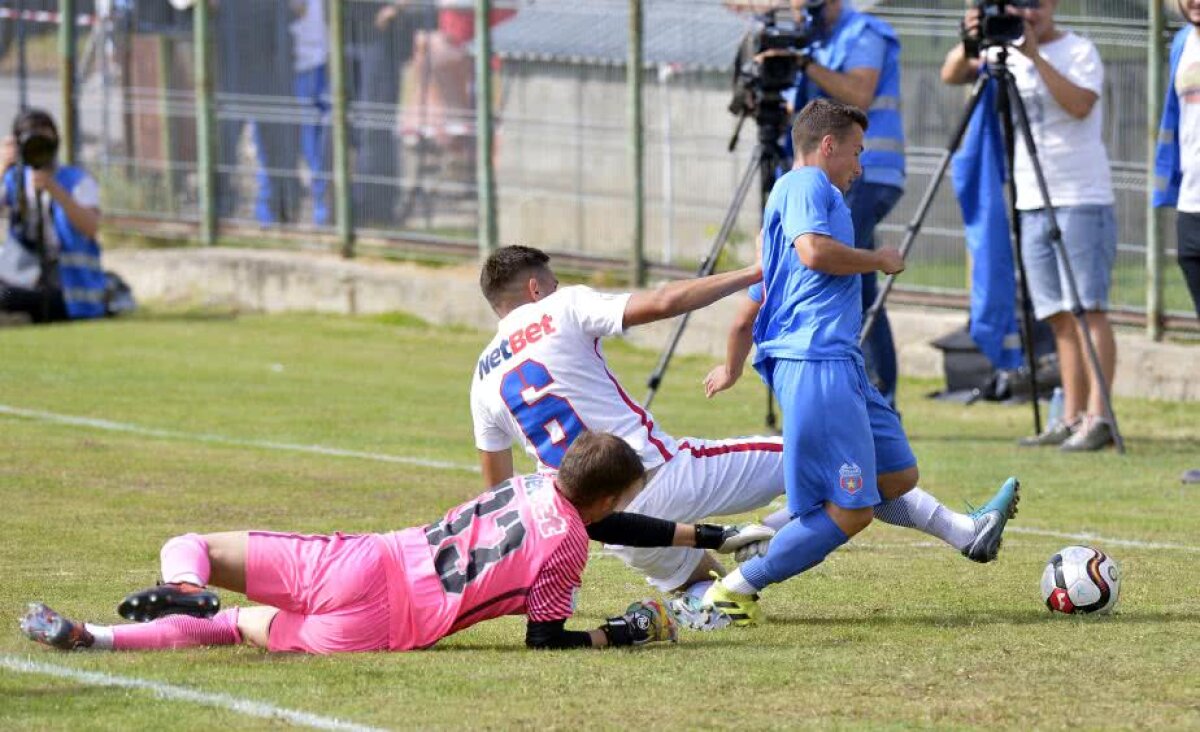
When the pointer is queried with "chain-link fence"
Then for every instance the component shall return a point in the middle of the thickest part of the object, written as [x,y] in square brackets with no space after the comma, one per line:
[562,134]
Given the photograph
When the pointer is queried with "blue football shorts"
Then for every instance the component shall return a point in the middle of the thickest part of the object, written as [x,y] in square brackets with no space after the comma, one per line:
[839,433]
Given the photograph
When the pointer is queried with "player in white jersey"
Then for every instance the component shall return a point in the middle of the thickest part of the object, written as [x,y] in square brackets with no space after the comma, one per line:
[543,380]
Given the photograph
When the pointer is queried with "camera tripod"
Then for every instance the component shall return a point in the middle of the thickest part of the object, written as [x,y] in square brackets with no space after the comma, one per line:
[766,160]
[1014,120]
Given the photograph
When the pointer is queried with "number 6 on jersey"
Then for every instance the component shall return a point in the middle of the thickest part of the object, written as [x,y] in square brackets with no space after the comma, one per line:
[550,422]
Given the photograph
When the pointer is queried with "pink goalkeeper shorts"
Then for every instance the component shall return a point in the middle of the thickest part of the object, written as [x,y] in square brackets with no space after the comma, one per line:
[331,591]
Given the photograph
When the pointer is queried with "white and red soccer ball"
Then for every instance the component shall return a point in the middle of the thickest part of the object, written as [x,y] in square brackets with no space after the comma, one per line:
[1081,579]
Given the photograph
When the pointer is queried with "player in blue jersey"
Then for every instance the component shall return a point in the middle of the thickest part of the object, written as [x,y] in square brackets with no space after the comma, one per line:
[844,448]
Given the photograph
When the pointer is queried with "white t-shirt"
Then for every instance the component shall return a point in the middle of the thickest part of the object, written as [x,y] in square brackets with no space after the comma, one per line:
[310,36]
[1070,150]
[543,379]
[1187,87]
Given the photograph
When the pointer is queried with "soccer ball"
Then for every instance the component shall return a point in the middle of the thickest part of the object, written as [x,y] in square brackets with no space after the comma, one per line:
[1081,579]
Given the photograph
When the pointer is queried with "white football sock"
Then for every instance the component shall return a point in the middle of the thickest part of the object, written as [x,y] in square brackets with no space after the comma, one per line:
[102,636]
[956,529]
[921,511]
[734,582]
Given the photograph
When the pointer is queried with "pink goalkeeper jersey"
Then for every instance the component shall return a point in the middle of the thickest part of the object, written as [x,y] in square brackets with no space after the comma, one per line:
[517,549]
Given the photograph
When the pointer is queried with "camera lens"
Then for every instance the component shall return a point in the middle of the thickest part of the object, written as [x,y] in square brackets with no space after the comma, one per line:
[38,150]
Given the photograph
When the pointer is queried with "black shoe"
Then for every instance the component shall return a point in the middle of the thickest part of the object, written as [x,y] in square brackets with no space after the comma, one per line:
[181,598]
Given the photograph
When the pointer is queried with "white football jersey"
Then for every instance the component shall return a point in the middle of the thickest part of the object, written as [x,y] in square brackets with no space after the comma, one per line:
[543,379]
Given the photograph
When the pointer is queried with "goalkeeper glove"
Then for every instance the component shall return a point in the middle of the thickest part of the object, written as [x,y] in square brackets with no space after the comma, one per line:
[750,551]
[643,622]
[729,539]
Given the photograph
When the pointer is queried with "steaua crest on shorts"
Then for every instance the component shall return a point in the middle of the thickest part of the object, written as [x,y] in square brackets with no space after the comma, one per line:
[850,477]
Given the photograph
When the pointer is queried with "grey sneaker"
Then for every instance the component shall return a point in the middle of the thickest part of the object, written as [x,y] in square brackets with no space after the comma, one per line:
[1190,476]
[1056,433]
[1095,434]
[44,625]
[687,611]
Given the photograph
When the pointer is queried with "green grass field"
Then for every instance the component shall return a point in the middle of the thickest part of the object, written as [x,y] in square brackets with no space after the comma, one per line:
[893,631]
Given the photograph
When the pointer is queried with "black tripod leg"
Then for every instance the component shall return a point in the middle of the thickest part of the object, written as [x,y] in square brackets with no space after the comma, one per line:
[1056,239]
[706,268]
[914,226]
[1026,322]
[770,161]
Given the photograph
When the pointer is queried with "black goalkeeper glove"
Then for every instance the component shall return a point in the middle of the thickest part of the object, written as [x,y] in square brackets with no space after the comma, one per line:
[643,622]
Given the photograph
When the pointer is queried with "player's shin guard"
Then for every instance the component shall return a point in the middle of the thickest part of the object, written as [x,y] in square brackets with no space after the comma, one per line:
[178,631]
[185,559]
[800,545]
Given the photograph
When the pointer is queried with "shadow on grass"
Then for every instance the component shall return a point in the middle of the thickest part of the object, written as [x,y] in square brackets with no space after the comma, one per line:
[963,620]
[966,439]
[976,620]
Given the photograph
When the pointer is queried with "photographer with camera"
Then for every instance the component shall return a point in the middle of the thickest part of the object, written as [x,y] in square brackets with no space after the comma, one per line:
[50,261]
[1060,78]
[854,58]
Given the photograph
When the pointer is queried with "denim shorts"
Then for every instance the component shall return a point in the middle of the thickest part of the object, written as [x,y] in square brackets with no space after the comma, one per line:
[1089,236]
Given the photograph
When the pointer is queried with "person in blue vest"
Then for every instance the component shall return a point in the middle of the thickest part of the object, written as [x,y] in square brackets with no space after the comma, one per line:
[50,261]
[855,59]
[1177,157]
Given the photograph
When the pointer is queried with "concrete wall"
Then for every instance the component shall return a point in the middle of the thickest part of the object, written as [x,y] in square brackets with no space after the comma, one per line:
[268,281]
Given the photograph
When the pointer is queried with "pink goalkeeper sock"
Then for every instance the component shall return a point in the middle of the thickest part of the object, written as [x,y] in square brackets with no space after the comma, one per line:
[178,631]
[185,559]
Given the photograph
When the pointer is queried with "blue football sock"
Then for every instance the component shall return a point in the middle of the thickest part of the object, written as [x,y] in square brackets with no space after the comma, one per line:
[803,543]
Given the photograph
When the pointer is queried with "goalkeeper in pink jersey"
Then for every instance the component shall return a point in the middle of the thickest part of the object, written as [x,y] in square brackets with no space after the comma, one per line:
[517,549]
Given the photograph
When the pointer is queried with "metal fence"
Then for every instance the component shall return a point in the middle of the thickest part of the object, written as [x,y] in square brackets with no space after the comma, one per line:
[336,125]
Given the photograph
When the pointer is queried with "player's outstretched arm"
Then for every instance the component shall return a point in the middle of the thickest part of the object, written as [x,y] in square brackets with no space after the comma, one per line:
[826,254]
[737,349]
[642,623]
[683,296]
[638,530]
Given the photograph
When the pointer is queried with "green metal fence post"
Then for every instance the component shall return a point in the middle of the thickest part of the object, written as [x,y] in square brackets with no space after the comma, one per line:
[205,157]
[1155,60]
[633,74]
[68,124]
[343,207]
[166,137]
[485,174]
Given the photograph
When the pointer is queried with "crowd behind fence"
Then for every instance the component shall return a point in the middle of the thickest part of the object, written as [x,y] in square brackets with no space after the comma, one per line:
[560,99]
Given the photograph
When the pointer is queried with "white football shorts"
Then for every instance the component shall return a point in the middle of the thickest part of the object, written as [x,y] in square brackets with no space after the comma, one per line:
[704,478]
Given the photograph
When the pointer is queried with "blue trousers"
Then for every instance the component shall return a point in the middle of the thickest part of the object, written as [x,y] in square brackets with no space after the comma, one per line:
[310,89]
[869,204]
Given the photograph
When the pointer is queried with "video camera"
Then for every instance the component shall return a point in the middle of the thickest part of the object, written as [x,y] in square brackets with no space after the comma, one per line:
[759,75]
[997,26]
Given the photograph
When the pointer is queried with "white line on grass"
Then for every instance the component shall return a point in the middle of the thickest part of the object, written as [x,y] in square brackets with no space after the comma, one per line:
[171,692]
[110,426]
[1103,540]
[104,424]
